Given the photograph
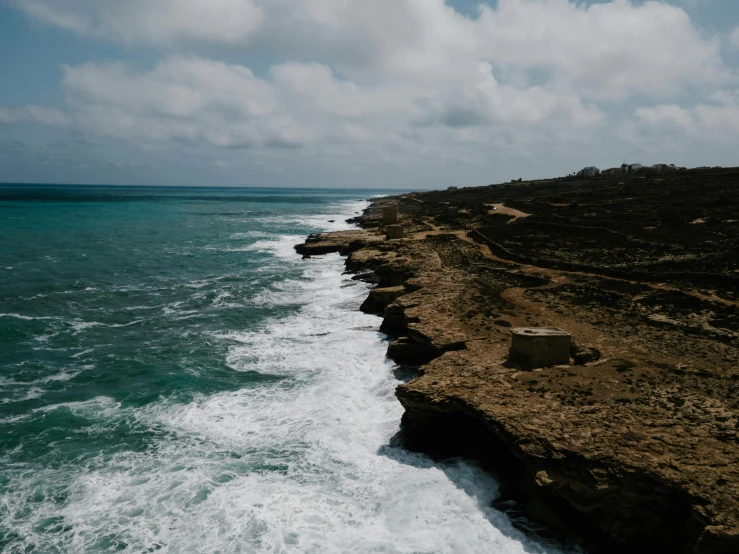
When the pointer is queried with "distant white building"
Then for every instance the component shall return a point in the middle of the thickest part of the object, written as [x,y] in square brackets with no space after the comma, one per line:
[591,171]
[636,168]
[664,167]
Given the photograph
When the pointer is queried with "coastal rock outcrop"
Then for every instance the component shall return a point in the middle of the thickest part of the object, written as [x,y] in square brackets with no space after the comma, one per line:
[634,445]
[380,298]
[343,242]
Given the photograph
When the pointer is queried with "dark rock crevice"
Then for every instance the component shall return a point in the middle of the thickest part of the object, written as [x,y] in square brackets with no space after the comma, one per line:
[569,497]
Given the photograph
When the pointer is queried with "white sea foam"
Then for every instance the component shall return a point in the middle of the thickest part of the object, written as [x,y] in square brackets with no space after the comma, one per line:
[226,300]
[199,284]
[80,326]
[300,465]
[29,318]
[25,394]
[131,308]
[101,407]
[249,235]
[173,311]
[282,246]
[61,376]
[334,221]
[119,325]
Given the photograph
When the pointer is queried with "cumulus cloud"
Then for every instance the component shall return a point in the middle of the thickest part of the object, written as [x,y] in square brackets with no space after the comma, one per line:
[705,126]
[181,98]
[418,57]
[296,104]
[196,99]
[713,121]
[667,116]
[604,49]
[390,79]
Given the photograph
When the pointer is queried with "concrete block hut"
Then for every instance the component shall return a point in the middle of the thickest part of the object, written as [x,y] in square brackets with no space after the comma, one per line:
[535,347]
[394,232]
[390,214]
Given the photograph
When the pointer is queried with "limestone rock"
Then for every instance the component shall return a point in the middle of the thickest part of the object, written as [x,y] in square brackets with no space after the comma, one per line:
[343,242]
[642,454]
[380,298]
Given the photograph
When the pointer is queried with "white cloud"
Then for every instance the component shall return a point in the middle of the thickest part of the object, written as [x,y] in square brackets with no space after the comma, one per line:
[710,122]
[666,116]
[298,104]
[181,98]
[398,81]
[718,119]
[603,49]
[313,87]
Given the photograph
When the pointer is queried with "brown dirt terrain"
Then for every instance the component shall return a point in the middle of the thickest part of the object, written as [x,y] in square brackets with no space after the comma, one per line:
[636,448]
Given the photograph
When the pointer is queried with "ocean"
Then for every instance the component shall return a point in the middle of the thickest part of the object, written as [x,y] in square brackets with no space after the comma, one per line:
[174,378]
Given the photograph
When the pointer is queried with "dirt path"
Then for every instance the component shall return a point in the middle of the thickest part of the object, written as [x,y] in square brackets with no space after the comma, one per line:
[503,209]
[559,277]
[562,276]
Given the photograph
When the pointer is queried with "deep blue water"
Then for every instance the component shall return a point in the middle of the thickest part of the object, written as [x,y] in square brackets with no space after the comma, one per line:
[174,378]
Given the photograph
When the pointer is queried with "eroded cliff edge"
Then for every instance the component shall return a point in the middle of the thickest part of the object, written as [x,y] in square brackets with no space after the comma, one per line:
[637,449]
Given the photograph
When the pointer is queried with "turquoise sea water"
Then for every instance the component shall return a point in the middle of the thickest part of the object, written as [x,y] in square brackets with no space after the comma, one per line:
[174,378]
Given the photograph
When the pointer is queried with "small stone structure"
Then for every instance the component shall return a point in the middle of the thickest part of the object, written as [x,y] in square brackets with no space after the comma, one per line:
[394,232]
[534,347]
[390,214]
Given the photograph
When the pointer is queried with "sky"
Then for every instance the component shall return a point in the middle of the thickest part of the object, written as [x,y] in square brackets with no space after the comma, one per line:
[358,93]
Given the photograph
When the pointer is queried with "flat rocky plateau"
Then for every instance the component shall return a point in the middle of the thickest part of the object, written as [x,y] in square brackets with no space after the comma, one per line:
[633,444]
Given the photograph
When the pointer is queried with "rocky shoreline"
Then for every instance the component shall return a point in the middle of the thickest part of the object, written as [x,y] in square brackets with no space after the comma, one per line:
[634,444]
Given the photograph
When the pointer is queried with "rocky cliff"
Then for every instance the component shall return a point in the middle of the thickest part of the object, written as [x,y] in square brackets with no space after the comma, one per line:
[634,445]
